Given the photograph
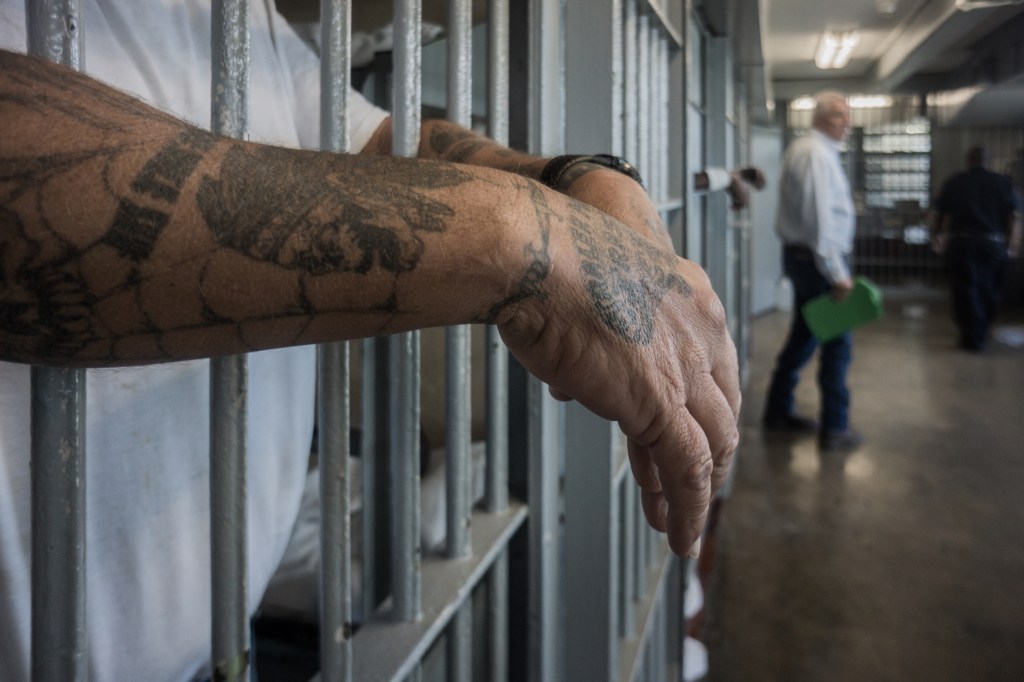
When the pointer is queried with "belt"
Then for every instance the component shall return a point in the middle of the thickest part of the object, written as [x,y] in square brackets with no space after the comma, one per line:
[798,250]
[990,236]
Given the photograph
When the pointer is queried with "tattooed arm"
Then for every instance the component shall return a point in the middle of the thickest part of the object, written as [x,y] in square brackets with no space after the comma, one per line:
[605,189]
[129,237]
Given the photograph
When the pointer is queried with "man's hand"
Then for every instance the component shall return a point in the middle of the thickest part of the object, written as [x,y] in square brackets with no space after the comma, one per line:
[753,176]
[842,289]
[738,192]
[636,335]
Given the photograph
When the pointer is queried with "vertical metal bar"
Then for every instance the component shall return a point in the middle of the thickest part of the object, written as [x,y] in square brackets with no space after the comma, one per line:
[374,547]
[457,352]
[630,80]
[333,382]
[229,383]
[545,553]
[496,494]
[59,635]
[404,349]
[640,550]
[627,580]
[404,389]
[497,355]
[457,365]
[644,92]
[594,106]
[497,619]
[546,126]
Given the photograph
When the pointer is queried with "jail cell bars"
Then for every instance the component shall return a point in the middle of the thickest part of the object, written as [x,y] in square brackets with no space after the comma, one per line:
[601,575]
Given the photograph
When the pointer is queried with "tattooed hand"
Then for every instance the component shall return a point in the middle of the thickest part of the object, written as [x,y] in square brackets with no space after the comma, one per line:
[638,336]
[617,195]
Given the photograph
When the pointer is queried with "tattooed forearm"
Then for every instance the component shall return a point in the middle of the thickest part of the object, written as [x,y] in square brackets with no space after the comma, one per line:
[538,258]
[127,236]
[626,275]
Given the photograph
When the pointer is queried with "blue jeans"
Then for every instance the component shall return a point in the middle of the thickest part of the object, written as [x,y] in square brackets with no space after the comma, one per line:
[836,355]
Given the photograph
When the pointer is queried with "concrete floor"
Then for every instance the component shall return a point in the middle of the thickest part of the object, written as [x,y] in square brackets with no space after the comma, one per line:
[903,560]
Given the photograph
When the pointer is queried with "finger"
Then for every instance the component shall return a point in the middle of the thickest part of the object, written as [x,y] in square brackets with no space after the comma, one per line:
[726,374]
[644,471]
[655,510]
[684,463]
[716,418]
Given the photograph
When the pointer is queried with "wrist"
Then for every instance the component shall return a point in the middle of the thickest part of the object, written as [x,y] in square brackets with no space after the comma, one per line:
[561,171]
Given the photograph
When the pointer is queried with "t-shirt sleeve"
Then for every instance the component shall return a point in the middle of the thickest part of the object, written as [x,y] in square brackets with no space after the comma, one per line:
[364,118]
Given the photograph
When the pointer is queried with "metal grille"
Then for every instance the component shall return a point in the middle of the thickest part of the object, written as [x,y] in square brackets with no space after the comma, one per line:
[599,575]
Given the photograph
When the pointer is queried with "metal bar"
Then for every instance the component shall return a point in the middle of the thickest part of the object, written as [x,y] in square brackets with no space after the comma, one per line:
[404,355]
[545,553]
[457,351]
[460,644]
[228,383]
[591,545]
[404,407]
[630,58]
[335,513]
[627,580]
[370,459]
[644,93]
[333,381]
[59,636]
[390,651]
[497,619]
[458,471]
[59,633]
[496,493]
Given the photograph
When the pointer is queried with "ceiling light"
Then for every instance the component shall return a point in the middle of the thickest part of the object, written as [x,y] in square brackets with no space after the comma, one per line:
[886,7]
[835,49]
[968,5]
[869,101]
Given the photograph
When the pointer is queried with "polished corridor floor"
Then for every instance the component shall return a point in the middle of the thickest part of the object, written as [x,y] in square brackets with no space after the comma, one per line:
[903,560]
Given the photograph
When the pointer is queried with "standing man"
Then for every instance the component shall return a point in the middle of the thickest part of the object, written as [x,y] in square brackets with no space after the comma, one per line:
[816,222]
[975,221]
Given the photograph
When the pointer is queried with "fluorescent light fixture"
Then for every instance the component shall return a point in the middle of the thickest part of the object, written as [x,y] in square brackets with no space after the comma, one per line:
[835,49]
[968,5]
[870,101]
[886,7]
[802,104]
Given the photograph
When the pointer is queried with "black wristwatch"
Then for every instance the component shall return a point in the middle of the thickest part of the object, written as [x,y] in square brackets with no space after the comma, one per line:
[557,167]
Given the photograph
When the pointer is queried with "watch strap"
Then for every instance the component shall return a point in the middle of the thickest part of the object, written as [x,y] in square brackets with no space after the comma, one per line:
[557,167]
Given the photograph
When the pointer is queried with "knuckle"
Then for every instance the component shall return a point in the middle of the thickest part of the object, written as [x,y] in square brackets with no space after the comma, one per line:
[698,475]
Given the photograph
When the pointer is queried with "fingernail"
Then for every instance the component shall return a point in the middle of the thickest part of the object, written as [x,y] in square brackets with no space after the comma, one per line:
[663,510]
[695,550]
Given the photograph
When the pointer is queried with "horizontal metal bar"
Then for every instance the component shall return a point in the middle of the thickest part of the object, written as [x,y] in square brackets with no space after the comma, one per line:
[388,651]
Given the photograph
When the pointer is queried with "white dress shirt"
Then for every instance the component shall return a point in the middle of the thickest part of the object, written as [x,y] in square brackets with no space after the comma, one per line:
[815,206]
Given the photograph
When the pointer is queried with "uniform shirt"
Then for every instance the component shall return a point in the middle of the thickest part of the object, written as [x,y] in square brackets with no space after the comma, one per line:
[978,201]
[147,441]
[815,206]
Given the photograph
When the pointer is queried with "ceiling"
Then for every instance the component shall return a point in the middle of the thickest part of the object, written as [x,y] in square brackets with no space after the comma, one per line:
[923,47]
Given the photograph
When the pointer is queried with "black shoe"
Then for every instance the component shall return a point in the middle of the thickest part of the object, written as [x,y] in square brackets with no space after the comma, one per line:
[840,440]
[791,423]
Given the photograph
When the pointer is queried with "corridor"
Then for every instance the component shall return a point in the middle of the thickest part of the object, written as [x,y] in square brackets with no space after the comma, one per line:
[903,560]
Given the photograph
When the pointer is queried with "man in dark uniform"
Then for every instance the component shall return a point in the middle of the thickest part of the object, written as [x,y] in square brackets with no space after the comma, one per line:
[975,222]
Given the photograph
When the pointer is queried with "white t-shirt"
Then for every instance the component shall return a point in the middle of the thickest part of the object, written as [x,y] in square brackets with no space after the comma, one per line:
[147,470]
